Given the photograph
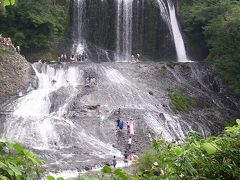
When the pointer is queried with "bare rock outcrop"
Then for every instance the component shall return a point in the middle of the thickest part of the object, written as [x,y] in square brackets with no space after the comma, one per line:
[15,72]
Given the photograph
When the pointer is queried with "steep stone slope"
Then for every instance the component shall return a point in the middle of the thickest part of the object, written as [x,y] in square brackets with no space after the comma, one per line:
[15,72]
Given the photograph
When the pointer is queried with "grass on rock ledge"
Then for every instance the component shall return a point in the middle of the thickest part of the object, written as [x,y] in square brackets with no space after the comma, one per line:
[181,101]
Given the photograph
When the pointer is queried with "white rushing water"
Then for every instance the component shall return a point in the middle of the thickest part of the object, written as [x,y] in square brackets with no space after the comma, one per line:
[34,122]
[124,30]
[178,39]
[168,14]
[78,25]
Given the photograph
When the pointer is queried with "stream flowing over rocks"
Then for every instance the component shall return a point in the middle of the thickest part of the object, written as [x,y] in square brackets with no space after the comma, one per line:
[60,121]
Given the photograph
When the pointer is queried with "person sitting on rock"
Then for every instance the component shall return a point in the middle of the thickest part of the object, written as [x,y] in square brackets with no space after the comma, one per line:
[118,111]
[72,58]
[19,93]
[87,82]
[92,81]
[134,158]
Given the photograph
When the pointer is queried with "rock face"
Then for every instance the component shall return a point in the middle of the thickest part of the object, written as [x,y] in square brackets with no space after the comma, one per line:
[15,72]
[73,126]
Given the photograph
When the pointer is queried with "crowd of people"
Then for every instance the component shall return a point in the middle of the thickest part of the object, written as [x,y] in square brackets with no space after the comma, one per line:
[81,57]
[7,41]
[135,59]
[128,154]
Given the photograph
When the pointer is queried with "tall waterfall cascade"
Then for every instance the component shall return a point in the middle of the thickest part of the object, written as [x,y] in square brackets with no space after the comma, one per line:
[115,30]
[178,39]
[124,30]
[79,9]
[168,14]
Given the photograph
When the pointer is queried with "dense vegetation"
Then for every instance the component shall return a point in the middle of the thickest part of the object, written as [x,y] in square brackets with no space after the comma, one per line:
[18,163]
[35,25]
[216,157]
[216,23]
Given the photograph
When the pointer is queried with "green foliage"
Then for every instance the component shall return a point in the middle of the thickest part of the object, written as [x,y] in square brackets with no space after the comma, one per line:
[217,24]
[18,163]
[8,2]
[213,158]
[107,170]
[35,25]
[216,157]
[181,101]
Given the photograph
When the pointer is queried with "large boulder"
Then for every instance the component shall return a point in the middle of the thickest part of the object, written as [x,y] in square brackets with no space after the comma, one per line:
[15,72]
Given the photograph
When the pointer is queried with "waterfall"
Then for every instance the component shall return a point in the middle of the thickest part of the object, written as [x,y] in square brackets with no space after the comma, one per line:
[78,25]
[178,39]
[124,30]
[38,120]
[169,16]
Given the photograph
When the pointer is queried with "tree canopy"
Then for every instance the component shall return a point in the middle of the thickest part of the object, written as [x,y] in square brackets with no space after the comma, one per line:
[34,24]
[217,24]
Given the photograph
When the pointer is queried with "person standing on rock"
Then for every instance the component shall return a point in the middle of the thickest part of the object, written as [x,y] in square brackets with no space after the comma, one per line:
[129,142]
[121,124]
[128,128]
[138,58]
[131,129]
[133,60]
[114,161]
[18,49]
[125,158]
[150,136]
[118,123]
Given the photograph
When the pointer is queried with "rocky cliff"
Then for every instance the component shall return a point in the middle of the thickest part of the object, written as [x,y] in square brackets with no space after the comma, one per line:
[15,72]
